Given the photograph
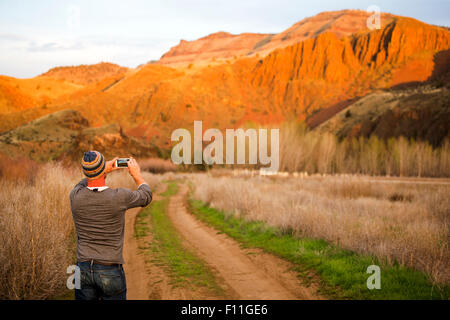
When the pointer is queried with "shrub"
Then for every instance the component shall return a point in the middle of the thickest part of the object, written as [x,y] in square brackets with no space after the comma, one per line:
[18,169]
[157,165]
[36,232]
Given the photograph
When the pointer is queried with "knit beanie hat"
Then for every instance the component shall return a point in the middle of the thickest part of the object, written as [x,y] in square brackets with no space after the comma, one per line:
[93,164]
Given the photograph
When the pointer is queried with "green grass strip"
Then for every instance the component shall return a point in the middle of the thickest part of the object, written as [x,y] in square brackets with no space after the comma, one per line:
[342,272]
[184,267]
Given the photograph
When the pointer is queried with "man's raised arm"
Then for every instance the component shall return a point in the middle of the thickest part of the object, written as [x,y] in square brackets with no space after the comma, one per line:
[135,172]
[143,195]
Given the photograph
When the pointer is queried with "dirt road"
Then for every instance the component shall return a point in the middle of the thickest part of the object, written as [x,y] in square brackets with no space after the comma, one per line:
[135,272]
[242,273]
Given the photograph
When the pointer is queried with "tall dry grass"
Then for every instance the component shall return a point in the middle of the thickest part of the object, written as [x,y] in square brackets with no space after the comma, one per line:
[406,223]
[302,150]
[36,226]
[157,165]
[36,233]
[313,152]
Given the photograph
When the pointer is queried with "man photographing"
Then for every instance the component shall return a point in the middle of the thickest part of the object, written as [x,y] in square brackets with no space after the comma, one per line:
[98,214]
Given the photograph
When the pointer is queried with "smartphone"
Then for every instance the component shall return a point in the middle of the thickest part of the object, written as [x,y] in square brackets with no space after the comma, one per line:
[122,162]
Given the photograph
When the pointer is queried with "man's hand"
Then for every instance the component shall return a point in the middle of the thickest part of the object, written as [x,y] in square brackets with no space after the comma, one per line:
[111,165]
[133,168]
[135,171]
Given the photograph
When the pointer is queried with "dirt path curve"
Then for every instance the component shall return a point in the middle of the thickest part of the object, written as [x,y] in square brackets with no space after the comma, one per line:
[250,273]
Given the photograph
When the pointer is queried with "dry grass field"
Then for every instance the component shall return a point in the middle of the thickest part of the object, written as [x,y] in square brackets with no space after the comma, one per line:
[36,226]
[36,232]
[403,221]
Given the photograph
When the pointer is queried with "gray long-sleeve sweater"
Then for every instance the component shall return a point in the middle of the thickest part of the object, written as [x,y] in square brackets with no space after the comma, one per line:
[100,222]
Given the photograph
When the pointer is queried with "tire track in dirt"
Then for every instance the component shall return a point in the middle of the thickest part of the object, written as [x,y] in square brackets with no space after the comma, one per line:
[251,274]
[144,281]
[138,281]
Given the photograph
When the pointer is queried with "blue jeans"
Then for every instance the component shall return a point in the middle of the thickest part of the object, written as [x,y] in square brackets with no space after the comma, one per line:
[101,282]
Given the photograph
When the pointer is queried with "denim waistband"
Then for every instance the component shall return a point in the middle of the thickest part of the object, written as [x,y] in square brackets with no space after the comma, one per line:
[92,265]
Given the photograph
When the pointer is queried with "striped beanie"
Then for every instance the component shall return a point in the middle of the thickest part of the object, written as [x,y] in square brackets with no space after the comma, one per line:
[93,164]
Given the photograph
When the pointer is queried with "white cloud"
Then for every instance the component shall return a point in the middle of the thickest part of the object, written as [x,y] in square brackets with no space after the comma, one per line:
[22,56]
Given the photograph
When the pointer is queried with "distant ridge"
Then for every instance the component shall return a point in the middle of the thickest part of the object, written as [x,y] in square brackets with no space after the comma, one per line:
[85,74]
[223,45]
[313,80]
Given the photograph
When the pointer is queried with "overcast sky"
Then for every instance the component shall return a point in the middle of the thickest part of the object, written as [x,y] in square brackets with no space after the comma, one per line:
[36,35]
